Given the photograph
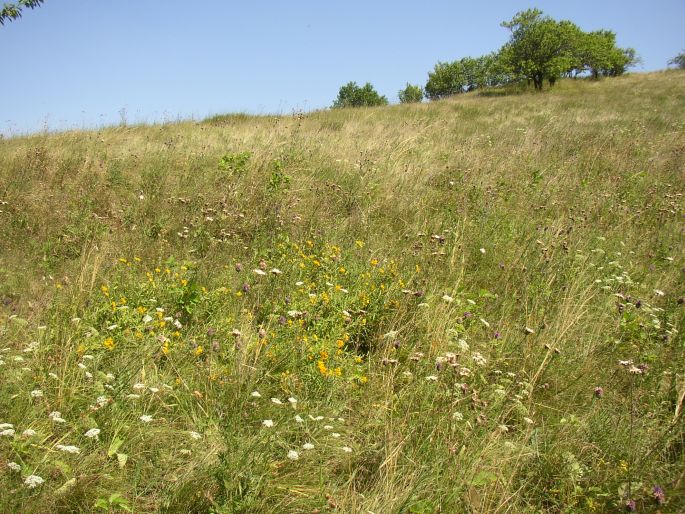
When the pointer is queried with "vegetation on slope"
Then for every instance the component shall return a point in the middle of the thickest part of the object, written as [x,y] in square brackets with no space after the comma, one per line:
[467,306]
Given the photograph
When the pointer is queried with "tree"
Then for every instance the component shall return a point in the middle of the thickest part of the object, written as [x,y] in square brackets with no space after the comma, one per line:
[351,95]
[598,54]
[410,94]
[13,11]
[466,74]
[678,61]
[540,48]
[446,79]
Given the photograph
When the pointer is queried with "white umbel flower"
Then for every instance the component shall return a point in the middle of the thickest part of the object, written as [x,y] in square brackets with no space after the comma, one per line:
[56,416]
[268,423]
[293,455]
[74,450]
[93,433]
[33,481]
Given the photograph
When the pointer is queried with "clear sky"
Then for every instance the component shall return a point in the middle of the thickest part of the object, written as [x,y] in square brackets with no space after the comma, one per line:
[82,63]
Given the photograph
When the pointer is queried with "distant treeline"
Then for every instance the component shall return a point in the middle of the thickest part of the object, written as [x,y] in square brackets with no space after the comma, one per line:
[539,49]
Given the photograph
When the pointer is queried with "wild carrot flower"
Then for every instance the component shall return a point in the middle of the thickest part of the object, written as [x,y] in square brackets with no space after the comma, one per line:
[268,423]
[28,432]
[307,446]
[13,466]
[145,418]
[68,449]
[293,455]
[8,432]
[93,433]
[36,393]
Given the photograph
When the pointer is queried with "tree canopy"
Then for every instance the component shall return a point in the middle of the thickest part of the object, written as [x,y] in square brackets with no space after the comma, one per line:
[678,61]
[410,94]
[12,11]
[541,48]
[352,95]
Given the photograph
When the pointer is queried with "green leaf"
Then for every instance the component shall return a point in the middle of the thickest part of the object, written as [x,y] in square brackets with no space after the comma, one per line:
[484,478]
[114,446]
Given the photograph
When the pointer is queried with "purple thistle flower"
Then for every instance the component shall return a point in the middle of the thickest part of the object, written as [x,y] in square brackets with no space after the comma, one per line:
[238,267]
[658,494]
[497,335]
[630,506]
[246,287]
[599,392]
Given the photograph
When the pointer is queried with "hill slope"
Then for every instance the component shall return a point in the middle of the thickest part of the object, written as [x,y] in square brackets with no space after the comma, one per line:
[468,305]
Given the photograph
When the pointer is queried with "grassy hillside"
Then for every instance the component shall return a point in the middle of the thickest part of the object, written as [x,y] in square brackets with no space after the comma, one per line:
[472,305]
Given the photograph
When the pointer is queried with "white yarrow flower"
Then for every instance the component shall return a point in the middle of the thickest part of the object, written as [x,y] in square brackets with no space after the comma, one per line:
[268,423]
[56,416]
[9,432]
[292,401]
[145,418]
[3,426]
[346,449]
[293,455]
[36,393]
[276,401]
[298,419]
[255,394]
[307,446]
[29,432]
[14,466]
[195,435]
[139,387]
[33,481]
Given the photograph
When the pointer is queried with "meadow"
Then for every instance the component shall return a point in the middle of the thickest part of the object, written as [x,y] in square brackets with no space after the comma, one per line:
[468,305]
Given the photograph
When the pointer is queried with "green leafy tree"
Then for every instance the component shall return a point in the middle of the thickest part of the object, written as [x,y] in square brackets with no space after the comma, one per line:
[678,61]
[446,79]
[352,95]
[466,74]
[598,54]
[540,48]
[12,11]
[410,94]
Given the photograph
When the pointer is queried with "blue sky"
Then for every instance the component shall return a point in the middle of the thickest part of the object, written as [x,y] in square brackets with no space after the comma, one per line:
[82,63]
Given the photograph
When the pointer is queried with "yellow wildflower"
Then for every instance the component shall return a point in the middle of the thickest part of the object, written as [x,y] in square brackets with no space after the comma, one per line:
[108,343]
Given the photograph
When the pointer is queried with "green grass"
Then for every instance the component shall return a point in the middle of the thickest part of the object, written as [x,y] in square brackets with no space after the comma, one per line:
[445,286]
